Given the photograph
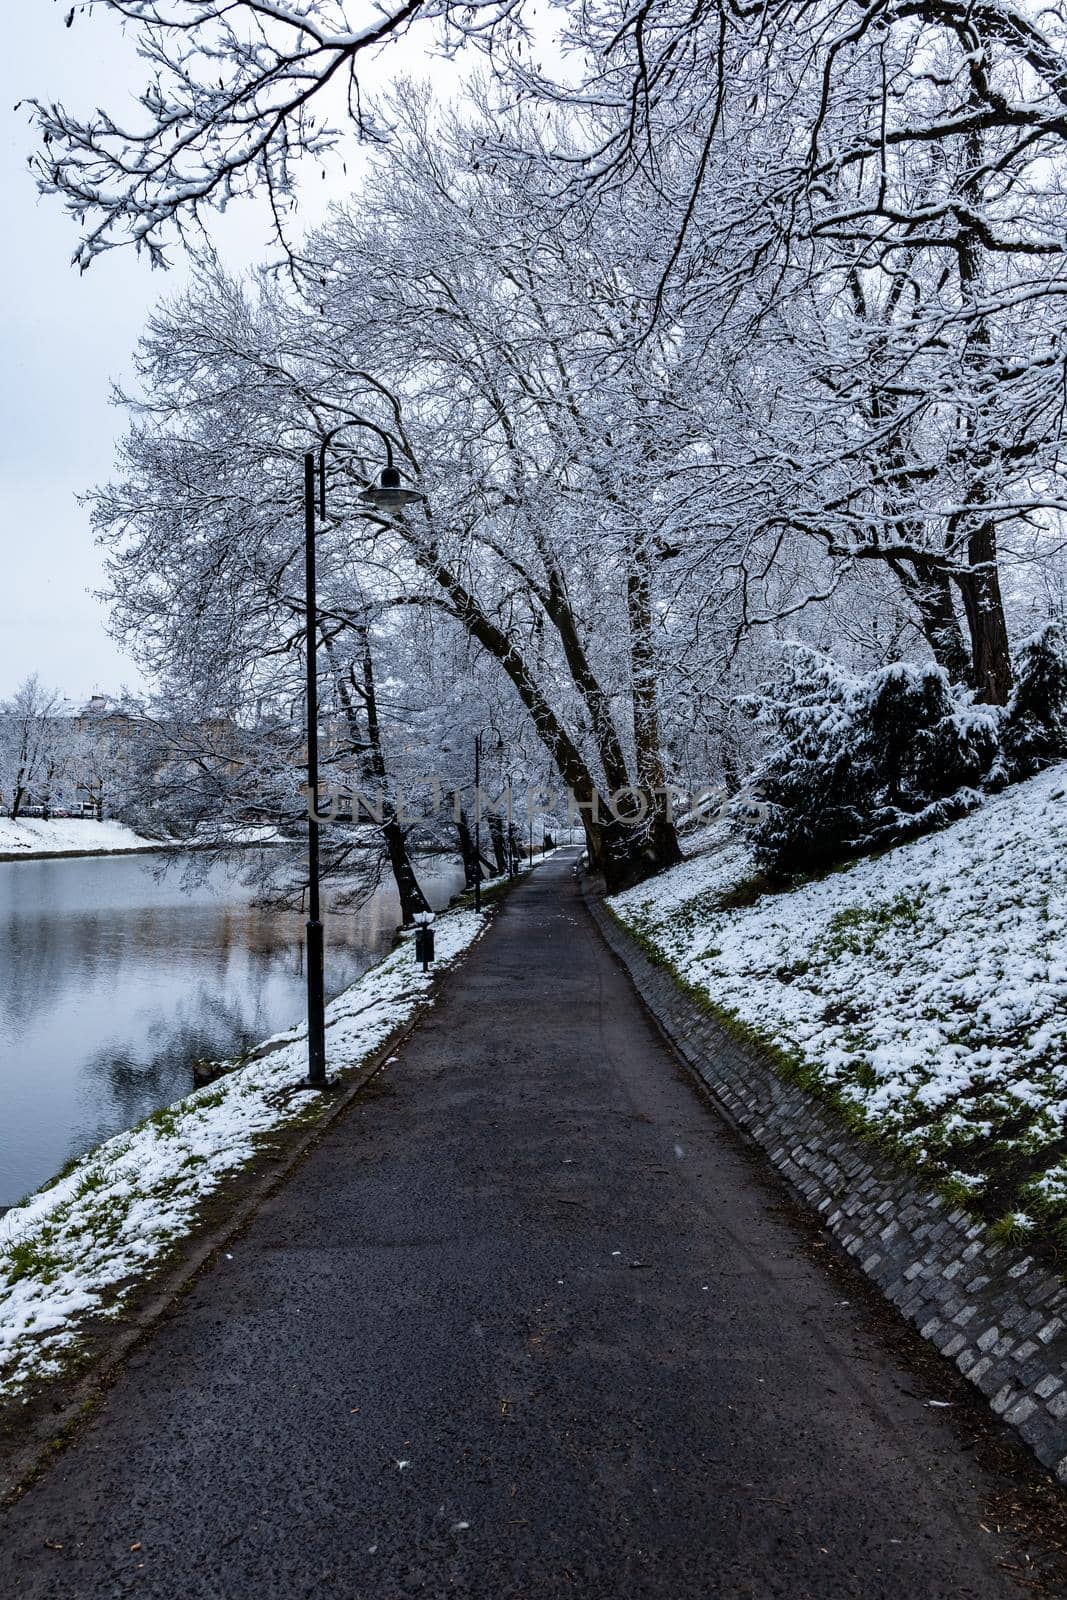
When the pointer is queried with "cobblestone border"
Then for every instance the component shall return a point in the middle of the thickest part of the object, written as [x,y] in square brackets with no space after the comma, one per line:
[995,1312]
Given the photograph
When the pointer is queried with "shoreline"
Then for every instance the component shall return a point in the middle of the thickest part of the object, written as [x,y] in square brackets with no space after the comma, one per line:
[149,848]
[70,855]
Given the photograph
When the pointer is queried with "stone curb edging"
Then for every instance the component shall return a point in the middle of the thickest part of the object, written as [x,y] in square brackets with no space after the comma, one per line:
[994,1311]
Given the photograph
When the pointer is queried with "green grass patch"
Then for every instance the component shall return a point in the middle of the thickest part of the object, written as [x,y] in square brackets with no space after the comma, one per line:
[29,1257]
[857,930]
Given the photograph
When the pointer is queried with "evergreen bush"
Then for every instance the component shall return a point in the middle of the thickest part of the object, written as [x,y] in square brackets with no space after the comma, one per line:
[863,762]
[1035,727]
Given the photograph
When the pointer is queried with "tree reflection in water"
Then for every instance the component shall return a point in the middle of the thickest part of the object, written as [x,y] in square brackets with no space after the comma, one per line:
[117,977]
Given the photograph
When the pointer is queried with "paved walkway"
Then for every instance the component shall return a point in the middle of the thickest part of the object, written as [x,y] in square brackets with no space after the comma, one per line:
[527,1323]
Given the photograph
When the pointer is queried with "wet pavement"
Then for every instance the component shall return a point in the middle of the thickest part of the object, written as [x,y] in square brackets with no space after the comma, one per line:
[527,1323]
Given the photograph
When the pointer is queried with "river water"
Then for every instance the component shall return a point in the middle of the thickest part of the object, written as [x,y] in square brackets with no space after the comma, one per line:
[116,974]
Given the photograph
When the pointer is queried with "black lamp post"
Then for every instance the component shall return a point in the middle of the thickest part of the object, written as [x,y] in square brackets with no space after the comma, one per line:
[385,496]
[509,852]
[477,822]
[314,945]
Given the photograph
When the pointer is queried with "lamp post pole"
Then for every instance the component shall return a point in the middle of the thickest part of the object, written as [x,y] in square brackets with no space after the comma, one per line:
[314,950]
[387,497]
[477,822]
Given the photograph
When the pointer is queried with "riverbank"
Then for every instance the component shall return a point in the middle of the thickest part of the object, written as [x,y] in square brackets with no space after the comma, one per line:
[84,1247]
[34,838]
[38,839]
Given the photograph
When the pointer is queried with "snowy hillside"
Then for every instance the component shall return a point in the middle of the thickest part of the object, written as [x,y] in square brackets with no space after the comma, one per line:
[925,990]
[66,835]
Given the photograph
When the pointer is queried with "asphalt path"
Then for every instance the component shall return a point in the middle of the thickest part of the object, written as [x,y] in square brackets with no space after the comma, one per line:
[527,1322]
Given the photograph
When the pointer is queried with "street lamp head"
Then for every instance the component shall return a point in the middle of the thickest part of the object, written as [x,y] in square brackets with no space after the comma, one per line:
[388,494]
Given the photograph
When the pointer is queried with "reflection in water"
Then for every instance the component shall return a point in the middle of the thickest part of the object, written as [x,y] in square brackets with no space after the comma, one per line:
[115,977]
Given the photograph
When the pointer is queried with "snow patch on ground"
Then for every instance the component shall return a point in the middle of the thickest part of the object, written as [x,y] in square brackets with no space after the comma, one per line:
[34,836]
[926,988]
[79,1247]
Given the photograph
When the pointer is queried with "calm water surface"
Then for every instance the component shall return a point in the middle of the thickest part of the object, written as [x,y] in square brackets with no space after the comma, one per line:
[115,976]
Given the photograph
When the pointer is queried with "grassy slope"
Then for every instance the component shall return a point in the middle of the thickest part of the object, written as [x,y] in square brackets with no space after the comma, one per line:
[924,991]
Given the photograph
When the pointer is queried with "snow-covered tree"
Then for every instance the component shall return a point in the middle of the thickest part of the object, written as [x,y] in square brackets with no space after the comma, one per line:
[235,92]
[860,763]
[1035,728]
[745,327]
[499,370]
[34,746]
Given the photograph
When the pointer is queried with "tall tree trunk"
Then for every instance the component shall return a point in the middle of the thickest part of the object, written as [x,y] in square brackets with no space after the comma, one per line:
[496,837]
[625,852]
[597,703]
[651,773]
[412,899]
[472,866]
[980,585]
[46,804]
[19,794]
[409,891]
[929,588]
[991,672]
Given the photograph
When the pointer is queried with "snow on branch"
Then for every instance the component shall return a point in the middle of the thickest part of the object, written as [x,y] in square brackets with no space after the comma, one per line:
[233,95]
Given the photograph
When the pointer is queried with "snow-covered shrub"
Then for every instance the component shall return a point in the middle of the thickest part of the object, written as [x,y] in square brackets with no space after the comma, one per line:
[1035,728]
[863,762]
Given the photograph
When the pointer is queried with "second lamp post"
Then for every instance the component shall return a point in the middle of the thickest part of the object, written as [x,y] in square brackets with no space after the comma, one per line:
[387,495]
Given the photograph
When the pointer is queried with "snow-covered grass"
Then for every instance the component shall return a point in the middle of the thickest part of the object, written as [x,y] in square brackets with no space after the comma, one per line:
[924,990]
[82,1245]
[33,836]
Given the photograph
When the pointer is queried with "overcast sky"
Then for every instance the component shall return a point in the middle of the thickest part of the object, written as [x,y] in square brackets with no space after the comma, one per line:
[65,337]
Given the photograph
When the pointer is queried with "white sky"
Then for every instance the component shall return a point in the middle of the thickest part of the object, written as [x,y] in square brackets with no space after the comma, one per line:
[65,337]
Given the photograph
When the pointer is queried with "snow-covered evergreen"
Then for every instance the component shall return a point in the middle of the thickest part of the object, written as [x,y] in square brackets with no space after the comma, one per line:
[863,761]
[1035,729]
